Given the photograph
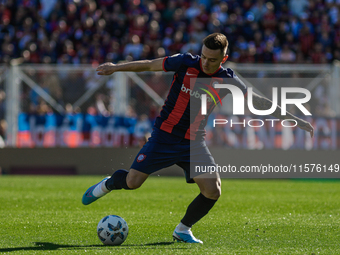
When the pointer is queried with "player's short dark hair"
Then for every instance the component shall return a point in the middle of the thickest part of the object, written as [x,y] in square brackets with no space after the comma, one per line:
[216,41]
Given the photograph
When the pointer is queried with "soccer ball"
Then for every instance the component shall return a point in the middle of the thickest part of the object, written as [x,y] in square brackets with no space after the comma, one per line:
[112,230]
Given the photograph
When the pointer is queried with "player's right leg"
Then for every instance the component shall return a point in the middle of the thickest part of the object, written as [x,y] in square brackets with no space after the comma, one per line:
[121,179]
[210,187]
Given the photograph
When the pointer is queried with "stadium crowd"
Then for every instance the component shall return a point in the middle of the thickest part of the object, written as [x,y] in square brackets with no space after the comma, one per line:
[96,31]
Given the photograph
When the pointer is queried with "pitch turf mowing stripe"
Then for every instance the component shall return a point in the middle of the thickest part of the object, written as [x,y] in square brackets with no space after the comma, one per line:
[44,215]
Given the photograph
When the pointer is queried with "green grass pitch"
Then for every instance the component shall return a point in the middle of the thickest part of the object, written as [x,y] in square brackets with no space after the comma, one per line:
[44,215]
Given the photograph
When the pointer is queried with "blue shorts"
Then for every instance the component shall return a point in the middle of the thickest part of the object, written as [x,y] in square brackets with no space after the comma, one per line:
[163,150]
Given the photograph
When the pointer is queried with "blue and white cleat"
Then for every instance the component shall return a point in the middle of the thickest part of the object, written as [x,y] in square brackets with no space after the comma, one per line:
[186,237]
[88,196]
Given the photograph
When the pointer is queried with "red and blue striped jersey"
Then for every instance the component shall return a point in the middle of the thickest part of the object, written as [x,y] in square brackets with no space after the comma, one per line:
[181,112]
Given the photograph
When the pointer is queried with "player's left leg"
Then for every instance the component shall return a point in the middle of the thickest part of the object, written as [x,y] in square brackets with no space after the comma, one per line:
[210,187]
[95,192]
[121,179]
[152,157]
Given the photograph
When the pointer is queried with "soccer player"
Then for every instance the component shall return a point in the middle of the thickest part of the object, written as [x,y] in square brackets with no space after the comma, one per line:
[178,133]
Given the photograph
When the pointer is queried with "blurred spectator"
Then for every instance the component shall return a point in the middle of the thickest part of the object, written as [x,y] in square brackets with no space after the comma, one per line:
[169,11]
[198,33]
[306,40]
[267,56]
[286,55]
[258,10]
[269,19]
[177,44]
[193,11]
[192,46]
[317,55]
[325,39]
[134,48]
[298,7]
[220,11]
[46,7]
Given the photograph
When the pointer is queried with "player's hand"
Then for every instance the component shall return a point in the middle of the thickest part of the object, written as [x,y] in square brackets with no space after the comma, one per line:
[304,125]
[106,69]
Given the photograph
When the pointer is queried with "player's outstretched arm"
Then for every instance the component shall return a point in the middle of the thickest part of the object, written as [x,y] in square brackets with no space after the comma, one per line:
[133,66]
[262,103]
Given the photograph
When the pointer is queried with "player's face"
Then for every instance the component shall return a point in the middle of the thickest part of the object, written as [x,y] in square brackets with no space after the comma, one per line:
[211,59]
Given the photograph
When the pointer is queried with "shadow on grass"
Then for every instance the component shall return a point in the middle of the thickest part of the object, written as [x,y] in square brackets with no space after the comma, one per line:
[45,246]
